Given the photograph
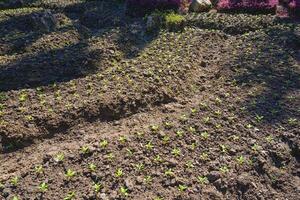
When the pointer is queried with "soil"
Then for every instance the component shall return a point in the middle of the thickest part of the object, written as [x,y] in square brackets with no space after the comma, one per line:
[209,112]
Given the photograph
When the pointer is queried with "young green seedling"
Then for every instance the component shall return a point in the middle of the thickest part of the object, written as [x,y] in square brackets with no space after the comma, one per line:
[59,157]
[122,139]
[206,120]
[15,198]
[97,187]
[182,188]
[149,145]
[158,159]
[259,118]
[168,125]
[110,156]
[176,152]
[92,167]
[119,173]
[84,150]
[183,118]
[202,180]
[192,130]
[193,146]
[224,169]
[43,187]
[189,164]
[70,174]
[179,133]
[140,166]
[148,179]
[204,135]
[169,172]
[154,128]
[165,139]
[103,143]
[123,191]
[240,160]
[204,156]
[39,169]
[70,196]
[224,148]
[15,181]
[129,152]
[158,198]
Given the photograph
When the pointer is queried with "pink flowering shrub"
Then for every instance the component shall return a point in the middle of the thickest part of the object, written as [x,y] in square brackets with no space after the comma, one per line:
[247,4]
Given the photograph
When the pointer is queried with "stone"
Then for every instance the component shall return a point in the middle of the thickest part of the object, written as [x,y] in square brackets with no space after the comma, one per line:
[200,5]
[213,176]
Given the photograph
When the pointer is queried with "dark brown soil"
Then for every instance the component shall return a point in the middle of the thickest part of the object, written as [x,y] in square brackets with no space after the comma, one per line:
[211,112]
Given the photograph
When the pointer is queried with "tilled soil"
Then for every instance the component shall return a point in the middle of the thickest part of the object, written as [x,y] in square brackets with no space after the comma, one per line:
[210,112]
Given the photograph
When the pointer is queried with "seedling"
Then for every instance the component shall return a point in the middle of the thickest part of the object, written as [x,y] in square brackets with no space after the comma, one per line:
[158,198]
[168,125]
[206,120]
[176,152]
[179,133]
[59,157]
[122,139]
[29,118]
[202,180]
[189,164]
[218,101]
[15,198]
[224,169]
[193,146]
[154,128]
[1,186]
[148,179]
[259,118]
[203,106]
[92,167]
[169,172]
[43,187]
[123,191]
[269,138]
[249,126]
[110,156]
[235,137]
[182,188]
[23,96]
[85,150]
[192,130]
[165,139]
[240,160]
[70,196]
[158,159]
[119,173]
[204,156]
[15,181]
[129,152]
[218,112]
[97,187]
[224,148]
[183,118]
[39,169]
[292,121]
[204,135]
[193,111]
[103,143]
[139,166]
[70,174]
[149,145]
[255,147]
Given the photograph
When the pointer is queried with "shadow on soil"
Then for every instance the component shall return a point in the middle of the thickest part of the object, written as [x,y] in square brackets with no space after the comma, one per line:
[91,19]
[273,64]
